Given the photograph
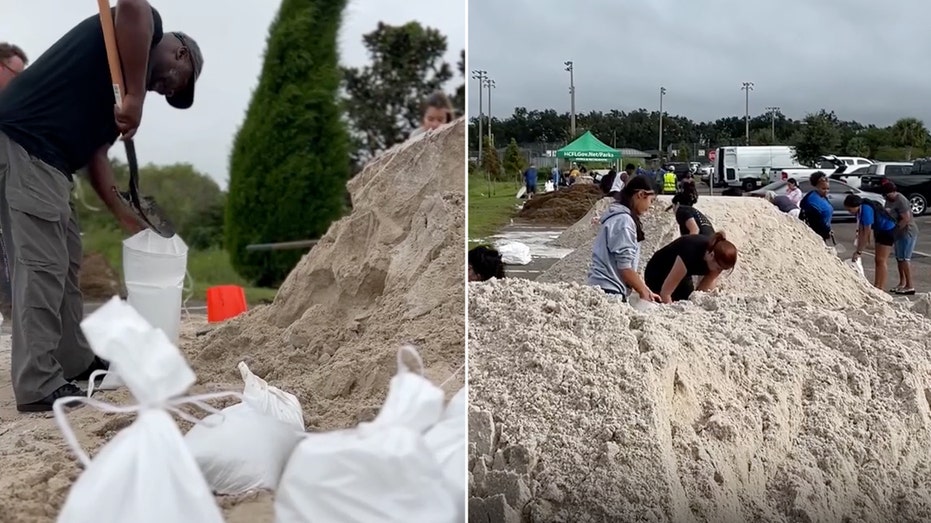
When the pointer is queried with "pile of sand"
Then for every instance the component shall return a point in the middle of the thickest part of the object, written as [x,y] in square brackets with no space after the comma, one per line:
[732,408]
[583,230]
[779,254]
[564,206]
[389,273]
[99,281]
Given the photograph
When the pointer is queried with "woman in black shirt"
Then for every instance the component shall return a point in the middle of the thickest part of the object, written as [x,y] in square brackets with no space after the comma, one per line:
[669,272]
[690,219]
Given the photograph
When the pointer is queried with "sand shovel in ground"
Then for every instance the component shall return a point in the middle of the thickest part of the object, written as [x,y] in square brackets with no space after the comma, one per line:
[144,207]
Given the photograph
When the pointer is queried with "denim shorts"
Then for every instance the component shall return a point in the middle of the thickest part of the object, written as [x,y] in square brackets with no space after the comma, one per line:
[904,247]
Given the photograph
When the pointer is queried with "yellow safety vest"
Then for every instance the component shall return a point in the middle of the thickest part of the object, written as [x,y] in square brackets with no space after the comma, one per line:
[669,182]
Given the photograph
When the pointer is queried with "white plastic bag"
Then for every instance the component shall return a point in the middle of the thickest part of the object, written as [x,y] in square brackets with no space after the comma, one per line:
[514,253]
[246,446]
[146,473]
[447,439]
[380,471]
[549,187]
[642,305]
[857,267]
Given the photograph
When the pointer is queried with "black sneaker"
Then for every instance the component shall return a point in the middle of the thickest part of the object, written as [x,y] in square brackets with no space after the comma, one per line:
[96,364]
[45,404]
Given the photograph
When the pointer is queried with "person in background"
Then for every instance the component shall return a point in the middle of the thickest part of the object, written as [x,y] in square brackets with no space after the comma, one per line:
[12,62]
[485,263]
[607,182]
[871,216]
[669,182]
[616,251]
[622,179]
[793,192]
[555,176]
[690,219]
[530,181]
[437,111]
[783,203]
[815,209]
[669,272]
[906,235]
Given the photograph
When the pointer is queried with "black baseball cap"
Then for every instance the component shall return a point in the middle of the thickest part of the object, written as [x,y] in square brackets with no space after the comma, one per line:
[185,98]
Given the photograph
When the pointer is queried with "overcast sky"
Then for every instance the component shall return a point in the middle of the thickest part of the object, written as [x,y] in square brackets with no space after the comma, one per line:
[233,41]
[864,59]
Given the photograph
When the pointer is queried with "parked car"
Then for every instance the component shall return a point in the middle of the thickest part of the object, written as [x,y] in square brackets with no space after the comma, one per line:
[836,195]
[851,178]
[912,180]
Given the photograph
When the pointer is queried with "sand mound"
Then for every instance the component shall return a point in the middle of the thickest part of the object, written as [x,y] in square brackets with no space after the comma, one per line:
[564,206]
[779,255]
[582,231]
[584,410]
[99,281]
[389,273]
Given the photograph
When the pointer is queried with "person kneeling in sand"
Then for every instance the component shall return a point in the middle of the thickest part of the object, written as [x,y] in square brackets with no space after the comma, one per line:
[485,263]
[616,252]
[690,219]
[669,272]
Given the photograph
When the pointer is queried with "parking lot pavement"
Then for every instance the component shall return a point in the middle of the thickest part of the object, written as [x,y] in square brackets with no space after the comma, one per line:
[845,233]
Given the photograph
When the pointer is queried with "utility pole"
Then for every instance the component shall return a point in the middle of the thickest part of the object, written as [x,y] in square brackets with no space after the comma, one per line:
[490,84]
[772,112]
[480,75]
[747,86]
[662,92]
[571,69]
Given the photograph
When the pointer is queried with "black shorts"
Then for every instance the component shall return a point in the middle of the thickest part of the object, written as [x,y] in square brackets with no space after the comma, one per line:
[886,238]
[531,188]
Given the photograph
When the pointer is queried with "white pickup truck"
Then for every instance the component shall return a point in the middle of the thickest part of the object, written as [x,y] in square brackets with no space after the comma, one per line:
[833,166]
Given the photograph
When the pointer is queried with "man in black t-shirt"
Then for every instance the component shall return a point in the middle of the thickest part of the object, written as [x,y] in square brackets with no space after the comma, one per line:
[59,116]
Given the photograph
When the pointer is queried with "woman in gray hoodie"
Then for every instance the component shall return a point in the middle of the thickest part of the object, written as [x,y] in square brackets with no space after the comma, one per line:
[616,252]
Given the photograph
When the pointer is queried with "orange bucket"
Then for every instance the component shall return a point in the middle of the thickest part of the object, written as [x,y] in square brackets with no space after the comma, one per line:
[225,302]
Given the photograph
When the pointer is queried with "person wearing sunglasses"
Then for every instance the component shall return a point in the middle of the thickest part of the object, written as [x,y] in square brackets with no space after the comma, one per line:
[12,62]
[59,116]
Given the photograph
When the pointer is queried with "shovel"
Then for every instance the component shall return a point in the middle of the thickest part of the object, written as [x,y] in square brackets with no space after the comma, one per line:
[144,207]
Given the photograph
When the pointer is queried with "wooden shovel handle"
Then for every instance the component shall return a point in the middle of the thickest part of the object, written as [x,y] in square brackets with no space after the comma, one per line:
[113,54]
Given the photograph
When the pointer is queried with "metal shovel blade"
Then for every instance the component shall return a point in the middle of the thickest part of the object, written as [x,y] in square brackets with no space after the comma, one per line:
[144,206]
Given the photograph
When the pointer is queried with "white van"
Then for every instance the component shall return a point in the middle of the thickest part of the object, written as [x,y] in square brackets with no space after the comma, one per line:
[749,167]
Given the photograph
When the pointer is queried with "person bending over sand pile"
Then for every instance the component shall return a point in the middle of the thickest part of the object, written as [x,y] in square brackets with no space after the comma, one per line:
[616,252]
[485,263]
[872,217]
[690,219]
[669,272]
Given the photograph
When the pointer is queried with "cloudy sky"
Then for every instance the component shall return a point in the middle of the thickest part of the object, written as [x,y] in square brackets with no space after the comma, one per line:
[864,59]
[233,41]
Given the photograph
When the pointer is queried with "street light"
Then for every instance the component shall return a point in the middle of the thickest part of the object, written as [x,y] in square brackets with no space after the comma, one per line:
[490,84]
[480,75]
[772,111]
[747,86]
[662,92]
[571,69]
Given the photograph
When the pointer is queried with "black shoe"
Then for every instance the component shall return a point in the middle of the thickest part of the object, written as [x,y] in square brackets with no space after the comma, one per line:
[96,364]
[45,404]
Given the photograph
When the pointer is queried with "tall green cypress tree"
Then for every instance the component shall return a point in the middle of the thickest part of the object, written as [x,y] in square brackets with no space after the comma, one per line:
[290,158]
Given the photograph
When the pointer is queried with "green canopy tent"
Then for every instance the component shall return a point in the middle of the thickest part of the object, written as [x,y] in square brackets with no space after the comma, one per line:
[587,148]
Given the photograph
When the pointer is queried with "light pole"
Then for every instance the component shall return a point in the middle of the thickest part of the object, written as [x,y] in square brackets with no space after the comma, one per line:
[772,112]
[570,68]
[490,84]
[747,86]
[480,75]
[662,92]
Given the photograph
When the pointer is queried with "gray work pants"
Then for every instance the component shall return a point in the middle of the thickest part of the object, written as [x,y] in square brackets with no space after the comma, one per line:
[43,246]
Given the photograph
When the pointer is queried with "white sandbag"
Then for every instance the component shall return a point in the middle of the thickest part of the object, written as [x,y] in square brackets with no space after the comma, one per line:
[447,439]
[857,267]
[145,474]
[381,471]
[549,187]
[246,446]
[642,305]
[514,253]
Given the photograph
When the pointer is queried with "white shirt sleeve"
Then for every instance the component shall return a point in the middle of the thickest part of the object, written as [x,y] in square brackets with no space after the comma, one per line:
[618,184]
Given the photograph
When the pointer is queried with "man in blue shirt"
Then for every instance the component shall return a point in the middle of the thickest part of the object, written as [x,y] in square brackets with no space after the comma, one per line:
[816,210]
[530,179]
[871,216]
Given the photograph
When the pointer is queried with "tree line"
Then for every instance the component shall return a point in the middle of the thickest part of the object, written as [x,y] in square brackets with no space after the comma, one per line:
[816,134]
